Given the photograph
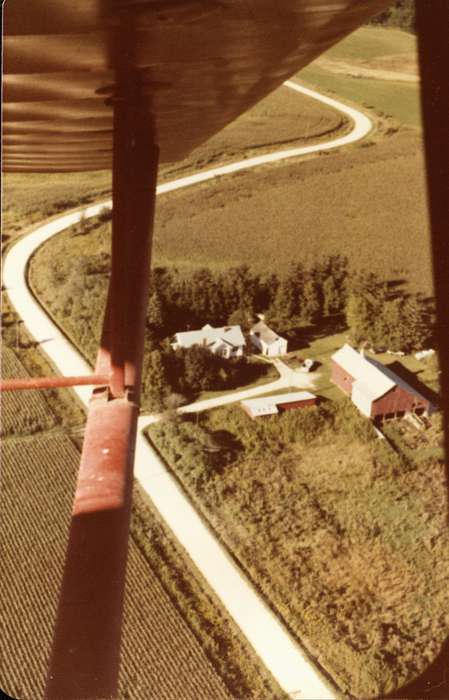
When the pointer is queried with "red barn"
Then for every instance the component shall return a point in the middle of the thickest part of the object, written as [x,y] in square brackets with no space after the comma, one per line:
[377,392]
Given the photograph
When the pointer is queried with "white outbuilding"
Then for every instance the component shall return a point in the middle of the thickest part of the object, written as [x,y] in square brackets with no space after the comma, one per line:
[278,403]
[267,341]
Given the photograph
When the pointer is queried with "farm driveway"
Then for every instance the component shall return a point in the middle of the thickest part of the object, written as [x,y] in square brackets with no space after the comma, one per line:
[287,378]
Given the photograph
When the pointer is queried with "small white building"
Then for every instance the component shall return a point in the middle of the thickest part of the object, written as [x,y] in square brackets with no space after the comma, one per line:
[278,403]
[267,341]
[227,341]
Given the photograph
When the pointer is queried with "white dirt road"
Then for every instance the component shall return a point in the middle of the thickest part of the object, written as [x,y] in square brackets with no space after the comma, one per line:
[293,669]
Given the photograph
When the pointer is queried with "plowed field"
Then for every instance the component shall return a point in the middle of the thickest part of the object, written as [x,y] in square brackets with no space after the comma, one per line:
[165,655]
[19,416]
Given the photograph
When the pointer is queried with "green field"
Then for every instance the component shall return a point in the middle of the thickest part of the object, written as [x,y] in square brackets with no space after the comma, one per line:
[284,119]
[368,203]
[369,43]
[372,48]
[395,99]
[342,538]
[33,197]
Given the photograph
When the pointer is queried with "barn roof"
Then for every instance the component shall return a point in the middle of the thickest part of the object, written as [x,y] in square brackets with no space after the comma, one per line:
[372,378]
[396,379]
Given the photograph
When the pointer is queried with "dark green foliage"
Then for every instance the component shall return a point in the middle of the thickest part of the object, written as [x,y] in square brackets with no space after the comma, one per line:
[175,377]
[192,370]
[330,275]
[388,459]
[201,369]
[400,14]
[385,316]
[182,442]
[155,320]
[243,318]
[311,309]
[347,420]
[340,537]
[273,434]
[155,388]
[305,296]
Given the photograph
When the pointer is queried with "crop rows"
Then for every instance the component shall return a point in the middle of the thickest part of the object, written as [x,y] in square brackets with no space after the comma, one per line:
[172,627]
[23,412]
[368,204]
[161,656]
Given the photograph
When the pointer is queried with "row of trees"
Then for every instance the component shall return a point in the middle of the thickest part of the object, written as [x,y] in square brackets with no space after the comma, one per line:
[379,312]
[303,296]
[386,316]
[318,297]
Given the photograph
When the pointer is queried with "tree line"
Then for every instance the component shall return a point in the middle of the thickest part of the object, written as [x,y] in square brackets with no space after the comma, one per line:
[303,296]
[324,297]
[383,313]
[400,14]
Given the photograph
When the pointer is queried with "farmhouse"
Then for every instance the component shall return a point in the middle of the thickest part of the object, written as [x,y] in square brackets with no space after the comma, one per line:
[226,342]
[271,405]
[267,341]
[377,392]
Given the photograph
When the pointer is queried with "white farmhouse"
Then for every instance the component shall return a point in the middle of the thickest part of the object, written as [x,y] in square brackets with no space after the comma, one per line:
[267,341]
[227,341]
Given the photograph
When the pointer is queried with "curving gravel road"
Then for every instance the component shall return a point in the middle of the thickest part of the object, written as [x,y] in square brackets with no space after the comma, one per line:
[282,655]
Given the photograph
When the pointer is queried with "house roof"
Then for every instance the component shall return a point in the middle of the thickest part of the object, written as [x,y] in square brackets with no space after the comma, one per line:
[229,334]
[268,405]
[265,333]
[188,338]
[232,335]
[371,378]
